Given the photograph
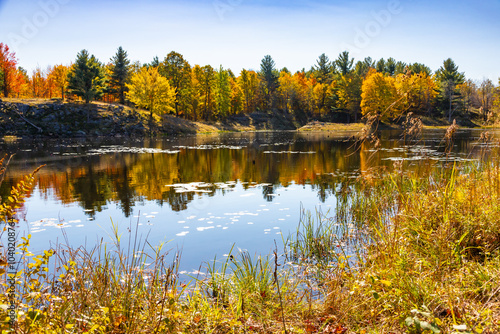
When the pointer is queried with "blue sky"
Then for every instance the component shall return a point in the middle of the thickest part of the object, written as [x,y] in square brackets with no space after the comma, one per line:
[239,33]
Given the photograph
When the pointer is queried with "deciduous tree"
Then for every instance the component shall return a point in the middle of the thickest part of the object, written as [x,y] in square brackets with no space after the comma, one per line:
[8,64]
[59,76]
[222,93]
[148,89]
[379,95]
[178,72]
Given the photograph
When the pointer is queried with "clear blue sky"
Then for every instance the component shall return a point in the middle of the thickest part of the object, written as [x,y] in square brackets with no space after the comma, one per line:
[238,33]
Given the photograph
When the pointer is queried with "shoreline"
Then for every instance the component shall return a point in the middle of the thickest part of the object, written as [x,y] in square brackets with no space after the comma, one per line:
[42,118]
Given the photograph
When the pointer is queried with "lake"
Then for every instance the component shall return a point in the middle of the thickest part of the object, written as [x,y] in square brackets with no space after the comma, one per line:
[202,194]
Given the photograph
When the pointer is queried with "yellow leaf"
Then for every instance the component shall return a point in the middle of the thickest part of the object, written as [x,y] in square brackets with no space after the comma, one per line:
[385,282]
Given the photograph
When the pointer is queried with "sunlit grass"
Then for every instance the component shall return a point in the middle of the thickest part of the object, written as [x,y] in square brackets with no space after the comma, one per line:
[408,251]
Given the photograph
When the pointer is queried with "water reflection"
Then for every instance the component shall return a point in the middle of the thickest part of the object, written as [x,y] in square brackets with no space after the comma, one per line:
[177,171]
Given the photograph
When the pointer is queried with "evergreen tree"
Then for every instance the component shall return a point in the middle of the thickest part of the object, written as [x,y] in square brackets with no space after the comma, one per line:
[417,68]
[324,69]
[362,67]
[87,79]
[390,66]
[270,77]
[120,73]
[344,63]
[449,77]
[380,66]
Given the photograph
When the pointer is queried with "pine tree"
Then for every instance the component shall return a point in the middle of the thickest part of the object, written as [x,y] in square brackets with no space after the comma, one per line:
[449,77]
[344,63]
[86,79]
[324,69]
[120,73]
[270,77]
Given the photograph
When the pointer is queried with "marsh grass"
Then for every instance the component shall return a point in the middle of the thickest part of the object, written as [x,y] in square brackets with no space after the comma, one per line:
[411,250]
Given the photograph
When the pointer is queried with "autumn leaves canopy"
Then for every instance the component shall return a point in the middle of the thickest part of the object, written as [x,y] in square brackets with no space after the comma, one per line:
[385,89]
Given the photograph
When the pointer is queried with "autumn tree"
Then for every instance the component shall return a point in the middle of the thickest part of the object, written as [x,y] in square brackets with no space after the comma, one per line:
[38,83]
[59,76]
[468,91]
[148,89]
[486,90]
[379,95]
[362,67]
[449,78]
[287,90]
[222,93]
[236,95]
[347,94]
[8,64]
[178,72]
[205,79]
[86,78]
[120,73]
[21,84]
[415,93]
[249,84]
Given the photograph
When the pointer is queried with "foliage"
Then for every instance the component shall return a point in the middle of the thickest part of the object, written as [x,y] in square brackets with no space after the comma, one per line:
[120,73]
[86,78]
[148,89]
[410,250]
[379,96]
[344,64]
[8,64]
[59,77]
[269,76]
[330,90]
[178,72]
[222,93]
[449,77]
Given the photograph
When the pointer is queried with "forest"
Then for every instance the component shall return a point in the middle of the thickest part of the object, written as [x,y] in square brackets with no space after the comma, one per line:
[341,90]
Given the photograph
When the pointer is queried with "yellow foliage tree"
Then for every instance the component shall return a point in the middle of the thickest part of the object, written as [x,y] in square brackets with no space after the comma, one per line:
[148,89]
[415,91]
[379,96]
[287,90]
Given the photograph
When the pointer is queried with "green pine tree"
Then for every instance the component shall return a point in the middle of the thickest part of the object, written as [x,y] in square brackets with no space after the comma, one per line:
[270,77]
[87,79]
[450,78]
[120,73]
[344,63]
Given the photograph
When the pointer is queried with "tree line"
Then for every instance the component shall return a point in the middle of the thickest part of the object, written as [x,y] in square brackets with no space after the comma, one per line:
[339,89]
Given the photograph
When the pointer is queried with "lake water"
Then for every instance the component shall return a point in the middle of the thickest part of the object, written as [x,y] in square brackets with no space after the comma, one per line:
[201,194]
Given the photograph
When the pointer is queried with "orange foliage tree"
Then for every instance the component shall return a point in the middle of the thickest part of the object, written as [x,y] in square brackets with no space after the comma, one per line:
[59,78]
[8,64]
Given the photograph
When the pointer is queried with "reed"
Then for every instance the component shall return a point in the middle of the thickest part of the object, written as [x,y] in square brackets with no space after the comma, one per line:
[411,250]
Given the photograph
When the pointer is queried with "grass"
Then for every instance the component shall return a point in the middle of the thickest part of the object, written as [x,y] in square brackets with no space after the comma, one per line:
[408,251]
[326,126]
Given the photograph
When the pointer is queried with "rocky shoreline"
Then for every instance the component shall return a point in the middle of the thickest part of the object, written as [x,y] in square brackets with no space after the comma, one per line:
[55,118]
